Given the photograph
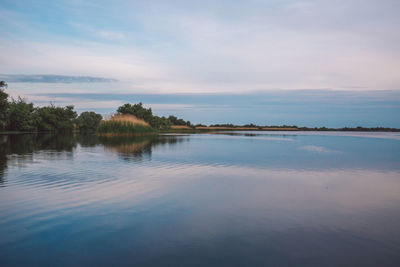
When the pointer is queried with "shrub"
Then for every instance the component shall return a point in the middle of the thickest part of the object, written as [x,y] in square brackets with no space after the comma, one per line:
[20,116]
[88,121]
[52,118]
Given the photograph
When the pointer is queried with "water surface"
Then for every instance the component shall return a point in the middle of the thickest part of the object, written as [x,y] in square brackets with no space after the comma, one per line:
[227,199]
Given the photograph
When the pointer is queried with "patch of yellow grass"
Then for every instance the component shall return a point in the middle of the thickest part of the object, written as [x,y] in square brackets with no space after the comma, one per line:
[128,118]
[179,127]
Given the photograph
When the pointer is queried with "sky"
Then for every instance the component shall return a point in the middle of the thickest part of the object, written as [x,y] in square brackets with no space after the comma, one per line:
[305,62]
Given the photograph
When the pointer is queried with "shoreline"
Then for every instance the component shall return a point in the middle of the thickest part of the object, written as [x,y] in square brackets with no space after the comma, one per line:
[208,130]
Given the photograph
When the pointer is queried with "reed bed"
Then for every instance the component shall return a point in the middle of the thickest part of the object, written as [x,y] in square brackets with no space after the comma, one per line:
[124,124]
[128,118]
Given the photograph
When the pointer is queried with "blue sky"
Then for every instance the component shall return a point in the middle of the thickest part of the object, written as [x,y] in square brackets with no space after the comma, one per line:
[333,63]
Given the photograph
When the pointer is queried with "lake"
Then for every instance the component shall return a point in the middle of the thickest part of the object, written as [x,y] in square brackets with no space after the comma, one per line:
[226,199]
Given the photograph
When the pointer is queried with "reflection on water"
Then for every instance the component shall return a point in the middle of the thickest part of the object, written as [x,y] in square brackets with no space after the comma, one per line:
[22,147]
[258,199]
[138,147]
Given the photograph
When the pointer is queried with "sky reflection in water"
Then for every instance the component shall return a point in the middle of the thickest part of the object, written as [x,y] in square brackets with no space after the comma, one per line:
[212,199]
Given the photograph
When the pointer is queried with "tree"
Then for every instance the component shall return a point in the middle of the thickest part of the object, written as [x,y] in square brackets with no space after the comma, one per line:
[176,121]
[20,116]
[4,105]
[52,118]
[173,119]
[160,123]
[88,121]
[137,110]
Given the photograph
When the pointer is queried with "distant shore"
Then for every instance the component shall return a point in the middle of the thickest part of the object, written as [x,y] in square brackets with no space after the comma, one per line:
[183,128]
[206,129]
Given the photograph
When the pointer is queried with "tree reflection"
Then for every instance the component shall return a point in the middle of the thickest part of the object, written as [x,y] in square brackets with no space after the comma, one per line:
[23,147]
[136,148]
[88,140]
[3,157]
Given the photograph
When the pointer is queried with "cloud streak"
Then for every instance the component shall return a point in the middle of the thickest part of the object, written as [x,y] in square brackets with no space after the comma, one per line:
[53,79]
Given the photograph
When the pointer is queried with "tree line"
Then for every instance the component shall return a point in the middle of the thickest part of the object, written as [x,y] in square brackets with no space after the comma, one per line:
[20,115]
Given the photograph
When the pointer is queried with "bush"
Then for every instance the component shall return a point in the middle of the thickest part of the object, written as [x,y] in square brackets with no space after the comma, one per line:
[52,118]
[88,121]
[20,116]
[4,105]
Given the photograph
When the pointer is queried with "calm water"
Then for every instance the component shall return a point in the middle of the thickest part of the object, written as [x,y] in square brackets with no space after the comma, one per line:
[249,199]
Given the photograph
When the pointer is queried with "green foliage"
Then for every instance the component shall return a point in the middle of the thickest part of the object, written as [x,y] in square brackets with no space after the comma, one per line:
[4,105]
[122,127]
[137,110]
[52,118]
[3,84]
[230,125]
[160,123]
[176,121]
[251,125]
[18,115]
[88,121]
[21,116]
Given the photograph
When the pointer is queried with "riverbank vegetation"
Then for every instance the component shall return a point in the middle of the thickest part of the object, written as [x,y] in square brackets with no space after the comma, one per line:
[18,115]
[146,114]
[88,121]
[124,124]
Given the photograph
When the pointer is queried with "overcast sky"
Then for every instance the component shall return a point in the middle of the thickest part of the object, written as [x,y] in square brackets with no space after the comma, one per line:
[209,46]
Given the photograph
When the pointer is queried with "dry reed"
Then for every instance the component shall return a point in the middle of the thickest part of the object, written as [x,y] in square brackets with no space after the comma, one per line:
[128,118]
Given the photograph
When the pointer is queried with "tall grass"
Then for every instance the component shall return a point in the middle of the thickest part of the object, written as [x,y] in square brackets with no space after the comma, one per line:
[123,127]
[124,124]
[128,118]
